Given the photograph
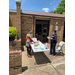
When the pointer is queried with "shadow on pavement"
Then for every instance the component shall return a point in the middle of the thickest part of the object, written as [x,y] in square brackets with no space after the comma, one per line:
[22,48]
[59,54]
[41,58]
[24,68]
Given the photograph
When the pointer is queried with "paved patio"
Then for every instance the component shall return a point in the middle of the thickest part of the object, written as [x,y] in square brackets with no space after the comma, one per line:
[47,65]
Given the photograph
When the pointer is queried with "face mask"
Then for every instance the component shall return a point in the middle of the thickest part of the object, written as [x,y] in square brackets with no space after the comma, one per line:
[30,34]
[53,33]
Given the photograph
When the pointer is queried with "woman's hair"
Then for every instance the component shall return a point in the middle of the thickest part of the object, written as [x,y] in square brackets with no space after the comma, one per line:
[31,31]
[54,31]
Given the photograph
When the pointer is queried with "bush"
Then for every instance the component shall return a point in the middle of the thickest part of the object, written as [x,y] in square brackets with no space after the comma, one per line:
[12,33]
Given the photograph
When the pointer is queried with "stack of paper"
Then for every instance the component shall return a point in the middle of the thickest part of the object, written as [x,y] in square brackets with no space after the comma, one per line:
[34,39]
[37,47]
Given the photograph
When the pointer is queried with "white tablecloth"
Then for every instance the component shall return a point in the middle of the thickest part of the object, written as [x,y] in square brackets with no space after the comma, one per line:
[41,45]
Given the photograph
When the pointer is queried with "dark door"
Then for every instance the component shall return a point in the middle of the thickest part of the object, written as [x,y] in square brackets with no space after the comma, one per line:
[39,31]
[45,32]
[42,28]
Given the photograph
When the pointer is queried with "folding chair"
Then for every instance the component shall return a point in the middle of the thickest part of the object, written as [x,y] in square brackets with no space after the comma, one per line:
[60,48]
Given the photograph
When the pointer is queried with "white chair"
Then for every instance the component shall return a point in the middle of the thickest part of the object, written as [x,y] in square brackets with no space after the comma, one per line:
[60,48]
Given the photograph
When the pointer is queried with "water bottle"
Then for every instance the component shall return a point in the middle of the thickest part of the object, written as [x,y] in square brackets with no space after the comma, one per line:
[46,46]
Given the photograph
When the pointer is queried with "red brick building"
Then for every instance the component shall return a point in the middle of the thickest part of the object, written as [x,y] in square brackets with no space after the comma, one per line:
[41,23]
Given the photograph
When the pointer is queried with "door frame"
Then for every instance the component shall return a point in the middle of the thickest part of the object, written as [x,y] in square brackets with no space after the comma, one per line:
[42,22]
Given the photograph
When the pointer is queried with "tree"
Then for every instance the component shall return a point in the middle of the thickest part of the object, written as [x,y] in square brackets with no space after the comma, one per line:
[60,9]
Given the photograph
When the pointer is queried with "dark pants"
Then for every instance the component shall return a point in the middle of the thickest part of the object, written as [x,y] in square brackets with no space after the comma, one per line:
[29,50]
[53,44]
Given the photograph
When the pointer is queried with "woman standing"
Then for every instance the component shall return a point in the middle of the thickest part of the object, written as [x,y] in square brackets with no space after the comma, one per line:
[53,43]
[28,43]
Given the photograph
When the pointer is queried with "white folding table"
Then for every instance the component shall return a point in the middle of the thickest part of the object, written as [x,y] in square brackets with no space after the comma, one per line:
[41,45]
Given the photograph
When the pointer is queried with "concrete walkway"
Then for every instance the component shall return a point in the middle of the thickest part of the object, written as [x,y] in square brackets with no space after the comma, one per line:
[47,65]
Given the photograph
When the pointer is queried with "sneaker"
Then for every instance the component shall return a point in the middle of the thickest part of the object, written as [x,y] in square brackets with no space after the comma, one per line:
[49,54]
[29,56]
[52,54]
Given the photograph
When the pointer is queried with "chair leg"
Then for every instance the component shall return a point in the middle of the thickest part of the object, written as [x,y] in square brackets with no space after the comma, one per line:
[56,54]
[62,52]
[59,51]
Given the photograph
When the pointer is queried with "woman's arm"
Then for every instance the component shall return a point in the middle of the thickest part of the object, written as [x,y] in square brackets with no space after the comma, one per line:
[55,38]
[30,38]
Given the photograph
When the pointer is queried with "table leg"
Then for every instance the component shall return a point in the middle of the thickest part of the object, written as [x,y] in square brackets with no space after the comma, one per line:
[35,63]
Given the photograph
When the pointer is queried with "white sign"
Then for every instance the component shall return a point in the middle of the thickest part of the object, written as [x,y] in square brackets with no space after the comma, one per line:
[56,27]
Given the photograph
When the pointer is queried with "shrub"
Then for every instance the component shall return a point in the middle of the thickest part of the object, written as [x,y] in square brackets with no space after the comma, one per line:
[12,33]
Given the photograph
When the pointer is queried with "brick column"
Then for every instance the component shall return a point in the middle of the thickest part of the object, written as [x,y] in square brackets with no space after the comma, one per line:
[34,26]
[15,62]
[50,28]
[18,4]
[62,29]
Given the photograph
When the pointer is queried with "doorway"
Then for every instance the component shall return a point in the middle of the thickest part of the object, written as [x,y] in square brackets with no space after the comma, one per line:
[42,30]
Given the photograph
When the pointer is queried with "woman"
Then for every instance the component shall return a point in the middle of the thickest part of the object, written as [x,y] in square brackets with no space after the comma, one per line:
[53,43]
[28,43]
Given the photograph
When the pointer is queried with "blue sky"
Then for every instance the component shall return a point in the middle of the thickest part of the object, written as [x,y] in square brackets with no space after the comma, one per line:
[36,5]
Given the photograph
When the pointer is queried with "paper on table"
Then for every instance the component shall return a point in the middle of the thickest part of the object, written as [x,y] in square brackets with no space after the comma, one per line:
[42,48]
[34,39]
[48,37]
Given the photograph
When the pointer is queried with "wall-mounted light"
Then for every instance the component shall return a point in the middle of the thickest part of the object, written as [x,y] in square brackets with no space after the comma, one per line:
[56,22]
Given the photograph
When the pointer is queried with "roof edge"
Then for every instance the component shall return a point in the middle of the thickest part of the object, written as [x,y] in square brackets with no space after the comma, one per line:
[42,15]
[35,13]
[12,10]
[42,12]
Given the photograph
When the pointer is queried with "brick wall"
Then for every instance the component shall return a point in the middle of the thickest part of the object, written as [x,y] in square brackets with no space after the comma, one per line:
[60,28]
[15,45]
[50,28]
[13,20]
[15,62]
[42,18]
[26,26]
